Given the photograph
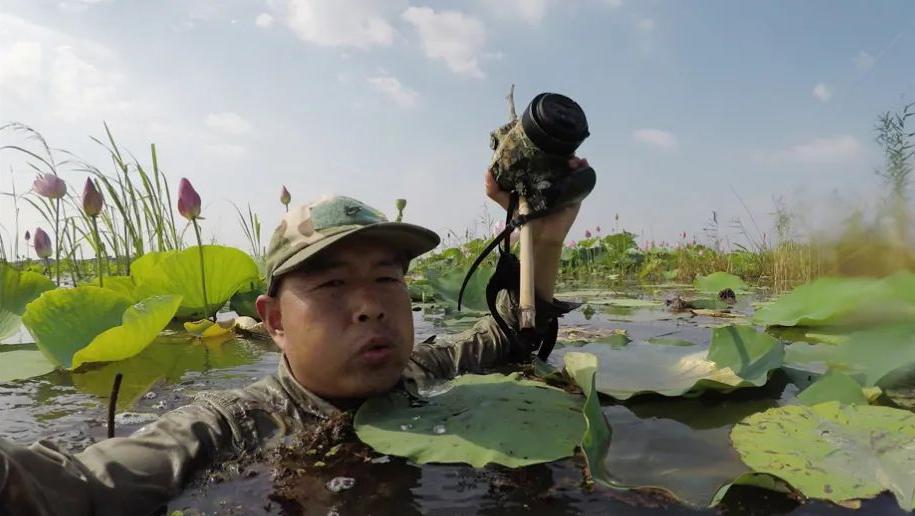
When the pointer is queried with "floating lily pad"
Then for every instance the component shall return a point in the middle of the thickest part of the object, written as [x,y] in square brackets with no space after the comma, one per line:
[207,329]
[870,356]
[667,341]
[23,363]
[535,423]
[178,272]
[718,281]
[737,357]
[844,302]
[92,324]
[244,303]
[18,289]
[833,386]
[833,452]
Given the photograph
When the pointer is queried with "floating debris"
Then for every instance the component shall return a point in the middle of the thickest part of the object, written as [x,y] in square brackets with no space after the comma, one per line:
[338,484]
[439,429]
[135,418]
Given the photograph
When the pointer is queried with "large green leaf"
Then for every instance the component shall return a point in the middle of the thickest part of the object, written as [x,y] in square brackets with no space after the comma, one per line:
[844,302]
[480,419]
[870,356]
[833,452]
[447,286]
[833,386]
[582,368]
[17,289]
[124,285]
[23,363]
[718,281]
[737,357]
[92,324]
[178,272]
[244,301]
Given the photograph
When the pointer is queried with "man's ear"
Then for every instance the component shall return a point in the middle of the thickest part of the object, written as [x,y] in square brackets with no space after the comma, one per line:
[268,308]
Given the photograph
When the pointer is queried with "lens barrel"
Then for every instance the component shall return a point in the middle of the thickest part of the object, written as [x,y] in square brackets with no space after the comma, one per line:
[555,123]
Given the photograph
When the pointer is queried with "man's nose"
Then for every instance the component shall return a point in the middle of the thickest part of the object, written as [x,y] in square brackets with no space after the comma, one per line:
[368,304]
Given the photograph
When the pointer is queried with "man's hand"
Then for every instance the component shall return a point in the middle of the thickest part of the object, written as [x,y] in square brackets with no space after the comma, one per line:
[548,232]
[551,229]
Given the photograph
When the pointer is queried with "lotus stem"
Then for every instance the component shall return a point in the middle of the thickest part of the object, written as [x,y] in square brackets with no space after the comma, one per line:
[98,252]
[203,277]
[57,239]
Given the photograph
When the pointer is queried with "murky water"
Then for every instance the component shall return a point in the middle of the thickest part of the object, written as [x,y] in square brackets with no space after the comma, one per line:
[674,443]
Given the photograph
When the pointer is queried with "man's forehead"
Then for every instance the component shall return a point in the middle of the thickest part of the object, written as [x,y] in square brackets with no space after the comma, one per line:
[356,252]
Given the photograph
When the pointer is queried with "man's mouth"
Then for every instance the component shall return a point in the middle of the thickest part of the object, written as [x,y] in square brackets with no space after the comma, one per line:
[377,349]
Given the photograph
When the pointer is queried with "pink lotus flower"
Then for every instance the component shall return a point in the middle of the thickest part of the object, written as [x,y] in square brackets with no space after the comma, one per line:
[50,186]
[93,202]
[285,196]
[42,243]
[515,235]
[188,200]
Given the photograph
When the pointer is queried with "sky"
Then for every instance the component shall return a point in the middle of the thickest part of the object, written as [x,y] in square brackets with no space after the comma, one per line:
[694,107]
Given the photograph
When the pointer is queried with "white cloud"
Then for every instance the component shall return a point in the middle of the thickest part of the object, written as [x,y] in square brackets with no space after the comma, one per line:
[645,24]
[226,151]
[822,151]
[452,36]
[656,137]
[264,20]
[394,90]
[864,61]
[228,122]
[822,92]
[71,78]
[343,23]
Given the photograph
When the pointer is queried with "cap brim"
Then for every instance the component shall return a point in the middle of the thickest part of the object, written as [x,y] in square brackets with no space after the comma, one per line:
[413,240]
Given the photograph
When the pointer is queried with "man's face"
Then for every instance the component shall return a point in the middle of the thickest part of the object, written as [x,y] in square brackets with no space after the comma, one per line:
[345,324]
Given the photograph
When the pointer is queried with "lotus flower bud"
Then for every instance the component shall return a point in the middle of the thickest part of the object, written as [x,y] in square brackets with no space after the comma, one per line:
[50,186]
[597,229]
[42,243]
[587,233]
[400,204]
[28,236]
[285,197]
[92,199]
[188,200]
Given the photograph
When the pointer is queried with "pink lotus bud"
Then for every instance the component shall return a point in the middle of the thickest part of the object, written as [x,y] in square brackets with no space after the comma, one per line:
[498,229]
[285,197]
[28,236]
[587,233]
[188,200]
[597,229]
[571,244]
[50,186]
[42,243]
[92,199]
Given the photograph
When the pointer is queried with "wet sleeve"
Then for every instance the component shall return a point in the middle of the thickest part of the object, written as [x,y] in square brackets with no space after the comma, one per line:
[129,475]
[485,345]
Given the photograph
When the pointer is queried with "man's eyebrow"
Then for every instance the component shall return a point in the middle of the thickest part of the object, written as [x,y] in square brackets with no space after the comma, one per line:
[325,265]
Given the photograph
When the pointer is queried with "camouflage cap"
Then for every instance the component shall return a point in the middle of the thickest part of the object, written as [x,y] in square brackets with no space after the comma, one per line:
[307,230]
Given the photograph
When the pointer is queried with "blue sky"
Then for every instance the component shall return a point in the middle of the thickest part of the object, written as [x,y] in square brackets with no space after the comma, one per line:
[693,106]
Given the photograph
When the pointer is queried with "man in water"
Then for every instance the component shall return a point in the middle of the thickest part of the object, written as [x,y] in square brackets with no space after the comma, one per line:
[338,308]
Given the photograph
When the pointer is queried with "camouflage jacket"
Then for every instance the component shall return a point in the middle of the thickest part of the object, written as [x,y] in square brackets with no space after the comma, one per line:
[139,474]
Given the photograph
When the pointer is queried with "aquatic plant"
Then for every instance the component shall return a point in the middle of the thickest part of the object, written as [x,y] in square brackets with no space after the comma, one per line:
[93,202]
[189,208]
[400,204]
[17,290]
[285,197]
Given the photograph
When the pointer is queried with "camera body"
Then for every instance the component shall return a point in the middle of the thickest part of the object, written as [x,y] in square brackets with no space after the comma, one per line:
[531,155]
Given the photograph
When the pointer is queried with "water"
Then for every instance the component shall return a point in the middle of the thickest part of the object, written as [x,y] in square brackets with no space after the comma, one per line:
[677,444]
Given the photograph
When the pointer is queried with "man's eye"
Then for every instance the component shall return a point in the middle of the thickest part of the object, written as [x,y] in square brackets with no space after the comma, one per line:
[331,283]
[389,279]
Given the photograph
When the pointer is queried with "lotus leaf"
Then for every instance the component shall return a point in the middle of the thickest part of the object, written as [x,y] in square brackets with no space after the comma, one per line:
[23,363]
[870,356]
[480,419]
[243,302]
[92,324]
[833,386]
[582,368]
[124,285]
[207,329]
[718,281]
[178,272]
[18,289]
[833,452]
[844,302]
[447,286]
[737,357]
